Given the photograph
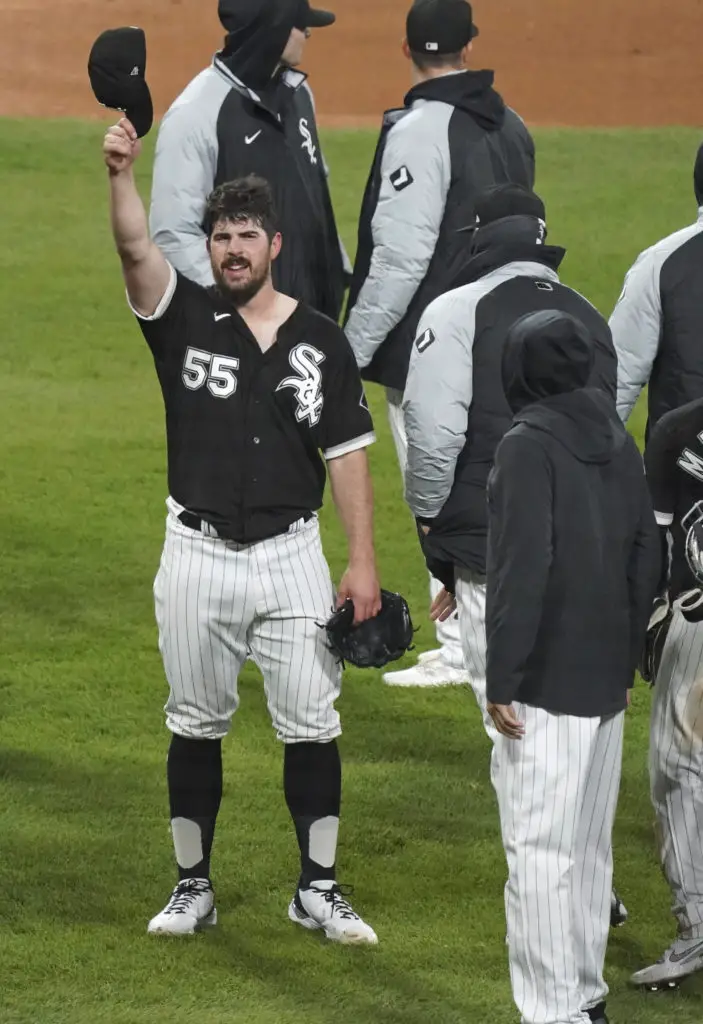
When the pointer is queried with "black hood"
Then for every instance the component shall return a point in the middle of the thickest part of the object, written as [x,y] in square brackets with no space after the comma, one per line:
[504,241]
[547,362]
[257,38]
[471,91]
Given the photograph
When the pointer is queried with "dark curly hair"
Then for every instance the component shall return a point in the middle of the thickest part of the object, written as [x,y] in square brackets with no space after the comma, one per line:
[247,198]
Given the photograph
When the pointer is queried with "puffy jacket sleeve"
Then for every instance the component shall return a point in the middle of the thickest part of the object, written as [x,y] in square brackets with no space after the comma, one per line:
[415,179]
[518,561]
[185,166]
[437,400]
[636,327]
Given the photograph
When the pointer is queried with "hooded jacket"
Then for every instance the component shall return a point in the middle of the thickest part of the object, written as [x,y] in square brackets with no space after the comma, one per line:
[453,138]
[573,551]
[454,405]
[241,116]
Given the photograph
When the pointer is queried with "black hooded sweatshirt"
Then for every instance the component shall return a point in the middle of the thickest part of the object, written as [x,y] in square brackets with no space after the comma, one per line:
[242,116]
[573,551]
[454,138]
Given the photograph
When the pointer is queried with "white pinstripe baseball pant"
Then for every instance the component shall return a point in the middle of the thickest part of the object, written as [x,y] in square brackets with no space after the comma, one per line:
[218,603]
[676,769]
[557,792]
[471,603]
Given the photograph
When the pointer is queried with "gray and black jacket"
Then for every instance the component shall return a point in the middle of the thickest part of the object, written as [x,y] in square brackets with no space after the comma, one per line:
[454,405]
[454,138]
[220,129]
[657,325]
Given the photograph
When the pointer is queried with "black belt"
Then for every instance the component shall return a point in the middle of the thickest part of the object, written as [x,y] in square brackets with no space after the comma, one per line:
[190,520]
[194,522]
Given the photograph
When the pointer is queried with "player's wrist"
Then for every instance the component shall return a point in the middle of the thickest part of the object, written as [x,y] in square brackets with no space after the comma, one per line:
[363,559]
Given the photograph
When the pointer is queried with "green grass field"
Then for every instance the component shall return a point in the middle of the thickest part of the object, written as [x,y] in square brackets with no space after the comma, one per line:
[85,855]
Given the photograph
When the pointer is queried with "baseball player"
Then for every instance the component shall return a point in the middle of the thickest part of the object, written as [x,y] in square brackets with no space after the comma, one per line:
[254,385]
[453,138]
[251,112]
[572,568]
[674,464]
[454,404]
[658,320]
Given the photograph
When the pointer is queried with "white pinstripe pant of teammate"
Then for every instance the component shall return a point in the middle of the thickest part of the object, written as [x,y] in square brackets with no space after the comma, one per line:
[541,841]
[471,604]
[676,769]
[218,603]
[557,793]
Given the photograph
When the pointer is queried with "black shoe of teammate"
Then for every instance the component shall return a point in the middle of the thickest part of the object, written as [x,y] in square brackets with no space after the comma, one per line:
[618,911]
[597,1014]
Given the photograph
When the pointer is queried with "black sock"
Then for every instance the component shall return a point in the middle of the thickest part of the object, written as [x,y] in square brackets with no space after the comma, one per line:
[312,782]
[195,791]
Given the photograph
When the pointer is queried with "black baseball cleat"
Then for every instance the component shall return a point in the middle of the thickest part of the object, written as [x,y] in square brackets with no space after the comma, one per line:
[618,911]
[597,1014]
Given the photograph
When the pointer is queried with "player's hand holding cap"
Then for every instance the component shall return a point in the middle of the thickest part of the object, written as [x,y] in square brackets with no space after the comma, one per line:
[117,69]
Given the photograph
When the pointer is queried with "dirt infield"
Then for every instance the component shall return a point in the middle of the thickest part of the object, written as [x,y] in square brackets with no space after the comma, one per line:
[576,62]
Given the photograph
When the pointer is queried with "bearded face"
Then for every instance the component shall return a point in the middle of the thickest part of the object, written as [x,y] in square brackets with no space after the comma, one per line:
[241,254]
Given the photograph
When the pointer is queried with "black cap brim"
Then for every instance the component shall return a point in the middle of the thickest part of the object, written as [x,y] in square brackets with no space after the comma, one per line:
[320,19]
[474,31]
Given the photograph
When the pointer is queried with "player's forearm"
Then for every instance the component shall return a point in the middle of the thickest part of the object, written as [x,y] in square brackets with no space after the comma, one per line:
[130,227]
[353,496]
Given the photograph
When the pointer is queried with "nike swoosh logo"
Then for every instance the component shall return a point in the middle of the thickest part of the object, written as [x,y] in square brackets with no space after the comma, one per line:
[248,139]
[222,316]
[697,950]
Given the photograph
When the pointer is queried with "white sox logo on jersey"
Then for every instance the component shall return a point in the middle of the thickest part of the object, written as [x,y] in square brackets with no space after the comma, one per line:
[307,142]
[691,463]
[305,360]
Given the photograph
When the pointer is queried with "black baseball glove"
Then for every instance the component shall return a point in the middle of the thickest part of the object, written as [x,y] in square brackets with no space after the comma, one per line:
[375,642]
[657,632]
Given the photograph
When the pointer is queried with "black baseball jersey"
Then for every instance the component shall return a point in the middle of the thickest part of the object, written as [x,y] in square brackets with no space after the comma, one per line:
[245,428]
[674,463]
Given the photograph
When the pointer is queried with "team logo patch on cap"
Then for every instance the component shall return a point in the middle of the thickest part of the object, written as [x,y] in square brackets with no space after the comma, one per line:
[432,46]
[401,178]
[425,340]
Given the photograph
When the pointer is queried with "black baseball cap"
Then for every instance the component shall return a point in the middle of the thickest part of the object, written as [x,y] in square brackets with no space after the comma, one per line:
[439,26]
[233,13]
[509,200]
[315,18]
[117,69]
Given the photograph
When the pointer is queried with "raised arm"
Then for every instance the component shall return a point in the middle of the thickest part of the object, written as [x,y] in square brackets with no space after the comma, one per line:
[147,274]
